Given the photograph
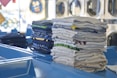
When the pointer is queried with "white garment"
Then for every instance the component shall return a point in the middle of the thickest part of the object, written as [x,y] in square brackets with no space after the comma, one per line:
[92,45]
[90,60]
[63,33]
[113,68]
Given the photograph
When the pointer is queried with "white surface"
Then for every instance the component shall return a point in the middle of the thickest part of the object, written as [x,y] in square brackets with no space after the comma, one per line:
[113,68]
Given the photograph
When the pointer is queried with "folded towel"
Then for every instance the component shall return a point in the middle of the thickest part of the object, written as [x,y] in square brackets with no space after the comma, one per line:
[45,24]
[63,34]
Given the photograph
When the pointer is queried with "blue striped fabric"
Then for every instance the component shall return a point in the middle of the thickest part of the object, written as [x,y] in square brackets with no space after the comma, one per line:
[42,36]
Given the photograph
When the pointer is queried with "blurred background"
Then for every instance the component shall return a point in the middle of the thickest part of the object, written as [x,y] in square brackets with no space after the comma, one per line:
[19,14]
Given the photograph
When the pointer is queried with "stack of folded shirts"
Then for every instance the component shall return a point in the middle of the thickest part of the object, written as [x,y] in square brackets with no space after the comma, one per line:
[42,36]
[80,48]
[87,60]
[94,37]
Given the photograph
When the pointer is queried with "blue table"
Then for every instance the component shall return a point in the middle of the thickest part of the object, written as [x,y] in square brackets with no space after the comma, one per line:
[49,69]
[14,64]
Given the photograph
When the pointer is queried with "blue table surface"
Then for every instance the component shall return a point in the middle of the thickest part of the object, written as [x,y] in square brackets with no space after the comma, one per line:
[49,69]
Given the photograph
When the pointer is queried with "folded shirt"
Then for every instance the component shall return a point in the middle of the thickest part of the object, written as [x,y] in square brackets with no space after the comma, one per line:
[57,40]
[65,50]
[65,25]
[41,37]
[48,44]
[63,34]
[42,31]
[45,24]
[92,45]
[37,29]
[67,46]
[42,34]
[88,39]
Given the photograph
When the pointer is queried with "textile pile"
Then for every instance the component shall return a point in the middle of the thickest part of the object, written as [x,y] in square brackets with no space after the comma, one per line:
[93,36]
[81,48]
[42,33]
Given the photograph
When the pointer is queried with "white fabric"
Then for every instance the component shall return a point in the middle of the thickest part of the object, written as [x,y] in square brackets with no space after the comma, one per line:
[92,45]
[57,40]
[89,60]
[63,33]
[89,37]
[113,68]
